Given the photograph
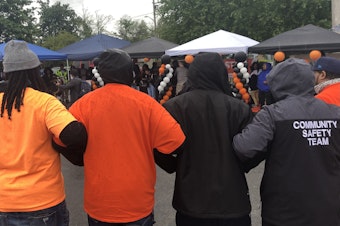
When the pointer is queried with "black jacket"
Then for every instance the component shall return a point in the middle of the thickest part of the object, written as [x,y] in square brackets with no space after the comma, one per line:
[301,137]
[209,180]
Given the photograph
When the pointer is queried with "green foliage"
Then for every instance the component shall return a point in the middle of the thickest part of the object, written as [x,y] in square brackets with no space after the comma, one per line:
[60,41]
[182,21]
[86,23]
[17,20]
[178,21]
[132,30]
[57,18]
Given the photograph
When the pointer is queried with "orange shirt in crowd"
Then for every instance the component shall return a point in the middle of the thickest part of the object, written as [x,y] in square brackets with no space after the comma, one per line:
[123,125]
[30,172]
[330,94]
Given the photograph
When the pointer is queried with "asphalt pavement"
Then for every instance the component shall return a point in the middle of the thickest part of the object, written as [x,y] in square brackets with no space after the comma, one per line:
[164,213]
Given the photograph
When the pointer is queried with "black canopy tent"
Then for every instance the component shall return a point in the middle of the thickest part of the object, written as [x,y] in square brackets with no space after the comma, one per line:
[152,47]
[300,41]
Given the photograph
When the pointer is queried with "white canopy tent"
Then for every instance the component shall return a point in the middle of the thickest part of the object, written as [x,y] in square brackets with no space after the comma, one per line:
[220,41]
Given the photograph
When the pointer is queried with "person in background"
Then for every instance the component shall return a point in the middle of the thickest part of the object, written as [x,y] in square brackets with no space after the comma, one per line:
[31,182]
[265,96]
[254,91]
[50,80]
[181,75]
[136,74]
[327,80]
[124,126]
[155,70]
[62,74]
[210,186]
[73,86]
[83,73]
[299,138]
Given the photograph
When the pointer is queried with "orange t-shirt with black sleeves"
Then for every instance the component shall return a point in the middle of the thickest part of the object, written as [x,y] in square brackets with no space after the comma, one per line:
[30,171]
[124,126]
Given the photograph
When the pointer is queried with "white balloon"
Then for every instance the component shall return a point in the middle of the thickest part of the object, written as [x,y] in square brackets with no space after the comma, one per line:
[163,84]
[246,75]
[97,75]
[171,70]
[240,65]
[166,79]
[168,66]
[243,70]
[169,75]
[247,80]
[160,88]
[94,71]
[99,79]
[101,83]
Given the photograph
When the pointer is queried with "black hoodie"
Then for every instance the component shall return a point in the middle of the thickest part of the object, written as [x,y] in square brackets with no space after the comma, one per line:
[209,180]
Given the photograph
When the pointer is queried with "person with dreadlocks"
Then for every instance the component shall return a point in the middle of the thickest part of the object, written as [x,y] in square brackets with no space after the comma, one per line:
[124,126]
[31,183]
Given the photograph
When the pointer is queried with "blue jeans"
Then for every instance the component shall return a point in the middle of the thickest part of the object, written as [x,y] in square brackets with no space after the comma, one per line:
[184,220]
[55,216]
[146,221]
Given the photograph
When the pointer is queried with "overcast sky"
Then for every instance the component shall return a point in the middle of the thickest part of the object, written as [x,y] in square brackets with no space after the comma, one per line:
[137,9]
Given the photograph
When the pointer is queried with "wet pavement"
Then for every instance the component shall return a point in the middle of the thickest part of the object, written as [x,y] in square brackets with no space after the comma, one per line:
[164,213]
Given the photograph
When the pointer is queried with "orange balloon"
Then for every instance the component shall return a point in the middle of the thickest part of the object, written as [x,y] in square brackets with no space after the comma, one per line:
[165,97]
[146,59]
[189,59]
[243,91]
[239,85]
[169,93]
[245,96]
[163,66]
[162,101]
[279,56]
[234,74]
[236,80]
[161,70]
[315,54]
[170,88]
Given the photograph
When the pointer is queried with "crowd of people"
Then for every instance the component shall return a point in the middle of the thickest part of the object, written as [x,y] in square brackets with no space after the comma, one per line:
[65,84]
[209,138]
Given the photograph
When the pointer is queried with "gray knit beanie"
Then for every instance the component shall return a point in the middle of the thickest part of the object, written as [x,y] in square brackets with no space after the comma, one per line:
[19,57]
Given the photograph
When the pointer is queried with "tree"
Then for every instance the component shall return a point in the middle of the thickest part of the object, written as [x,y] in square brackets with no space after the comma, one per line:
[17,20]
[59,41]
[86,24]
[57,18]
[100,23]
[273,17]
[132,30]
[182,21]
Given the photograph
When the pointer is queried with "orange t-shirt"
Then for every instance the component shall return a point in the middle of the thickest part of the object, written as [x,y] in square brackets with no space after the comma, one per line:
[30,172]
[330,94]
[124,126]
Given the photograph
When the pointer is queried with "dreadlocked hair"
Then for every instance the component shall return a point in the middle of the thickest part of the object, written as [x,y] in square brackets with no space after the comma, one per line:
[15,90]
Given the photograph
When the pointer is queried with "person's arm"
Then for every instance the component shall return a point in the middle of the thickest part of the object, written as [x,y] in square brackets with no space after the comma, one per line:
[74,140]
[69,85]
[251,145]
[169,142]
[167,162]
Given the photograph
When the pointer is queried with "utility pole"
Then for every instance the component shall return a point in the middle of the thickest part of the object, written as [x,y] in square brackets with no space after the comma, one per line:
[154,16]
[335,5]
